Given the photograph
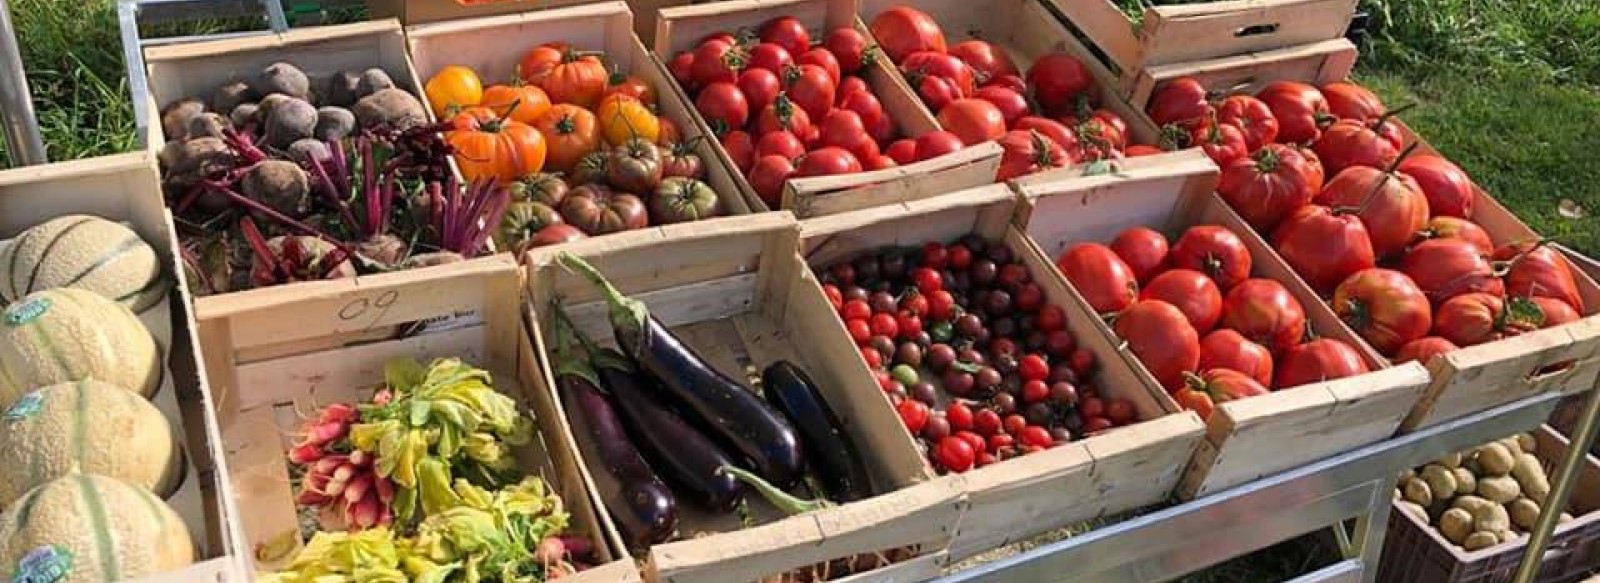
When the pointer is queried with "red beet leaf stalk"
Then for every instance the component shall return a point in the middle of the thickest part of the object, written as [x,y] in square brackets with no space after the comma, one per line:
[464,221]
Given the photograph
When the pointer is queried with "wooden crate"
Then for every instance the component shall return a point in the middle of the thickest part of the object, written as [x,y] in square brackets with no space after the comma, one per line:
[1316,63]
[126,188]
[1414,551]
[493,46]
[467,312]
[681,28]
[1202,31]
[734,290]
[410,12]
[1013,500]
[1254,437]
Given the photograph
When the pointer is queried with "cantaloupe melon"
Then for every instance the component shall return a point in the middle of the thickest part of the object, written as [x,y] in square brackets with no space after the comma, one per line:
[99,428]
[83,528]
[85,252]
[65,335]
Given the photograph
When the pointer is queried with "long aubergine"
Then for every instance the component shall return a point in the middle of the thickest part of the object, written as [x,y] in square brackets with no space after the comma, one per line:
[837,463]
[735,415]
[642,506]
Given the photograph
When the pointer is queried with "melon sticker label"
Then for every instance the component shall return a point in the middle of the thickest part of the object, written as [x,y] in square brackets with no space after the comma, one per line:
[46,564]
[25,407]
[27,311]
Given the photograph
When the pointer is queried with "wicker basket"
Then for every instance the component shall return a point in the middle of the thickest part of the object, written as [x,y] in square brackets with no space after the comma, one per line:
[1416,553]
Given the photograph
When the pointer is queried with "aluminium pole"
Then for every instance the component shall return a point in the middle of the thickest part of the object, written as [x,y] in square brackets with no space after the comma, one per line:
[16,102]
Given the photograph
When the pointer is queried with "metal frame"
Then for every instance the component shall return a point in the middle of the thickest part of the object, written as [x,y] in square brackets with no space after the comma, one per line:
[21,125]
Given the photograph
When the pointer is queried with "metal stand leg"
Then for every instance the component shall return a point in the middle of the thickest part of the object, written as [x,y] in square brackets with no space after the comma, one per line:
[16,101]
[1583,436]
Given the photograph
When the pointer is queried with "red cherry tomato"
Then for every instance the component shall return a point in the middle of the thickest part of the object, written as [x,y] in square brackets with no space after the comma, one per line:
[959,415]
[954,454]
[860,331]
[913,414]
[1051,319]
[1120,411]
[1033,368]
[928,281]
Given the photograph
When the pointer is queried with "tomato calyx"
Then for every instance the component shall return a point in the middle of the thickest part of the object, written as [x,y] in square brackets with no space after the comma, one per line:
[1266,161]
[1357,313]
[1173,137]
[1521,313]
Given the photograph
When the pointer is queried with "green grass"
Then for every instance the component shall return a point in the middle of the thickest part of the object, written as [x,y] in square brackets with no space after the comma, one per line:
[73,56]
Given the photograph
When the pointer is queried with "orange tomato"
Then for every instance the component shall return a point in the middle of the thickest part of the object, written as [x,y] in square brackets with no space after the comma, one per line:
[471,117]
[565,74]
[623,118]
[452,88]
[670,134]
[624,84]
[530,102]
[501,149]
[571,133]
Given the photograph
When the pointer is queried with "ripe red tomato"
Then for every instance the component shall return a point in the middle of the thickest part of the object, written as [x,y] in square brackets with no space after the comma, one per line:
[935,144]
[902,30]
[724,106]
[872,357]
[1057,80]
[1445,227]
[740,148]
[1392,206]
[1556,312]
[1091,407]
[1219,385]
[682,68]
[1251,116]
[877,123]
[848,86]
[1098,140]
[1268,185]
[1052,320]
[1033,367]
[856,310]
[859,330]
[771,57]
[986,422]
[1161,338]
[1226,348]
[783,115]
[821,57]
[937,92]
[1215,251]
[1143,249]
[1323,359]
[1537,270]
[1384,307]
[878,162]
[787,32]
[959,415]
[1121,412]
[768,176]
[941,305]
[779,144]
[827,161]
[1181,102]
[1118,136]
[973,120]
[1103,278]
[1191,292]
[843,128]
[913,414]
[1012,105]
[1450,192]
[986,60]
[903,151]
[937,64]
[1058,133]
[1223,143]
[1349,143]
[1350,101]
[811,88]
[1301,110]
[759,86]
[1027,152]
[884,324]
[1036,436]
[849,46]
[716,60]
[835,297]
[1266,313]
[954,454]
[1446,268]
[1012,81]
[1423,350]
[1470,319]
[927,280]
[1324,246]
[1138,150]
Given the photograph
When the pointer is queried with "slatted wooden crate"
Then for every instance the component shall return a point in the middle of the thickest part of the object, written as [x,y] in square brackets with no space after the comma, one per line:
[1249,438]
[126,188]
[255,356]
[681,28]
[1119,470]
[734,291]
[411,12]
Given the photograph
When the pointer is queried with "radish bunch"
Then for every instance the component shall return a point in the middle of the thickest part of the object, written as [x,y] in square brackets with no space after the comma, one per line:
[344,487]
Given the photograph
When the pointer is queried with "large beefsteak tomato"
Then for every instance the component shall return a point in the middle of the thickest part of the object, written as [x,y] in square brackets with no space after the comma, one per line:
[1144,250]
[1227,348]
[1217,386]
[902,30]
[1538,270]
[1450,192]
[1252,117]
[1324,246]
[1162,339]
[1446,268]
[1027,152]
[1383,306]
[1180,102]
[1215,251]
[1102,277]
[1323,359]
[1268,185]
[1191,292]
[1391,205]
[1266,313]
[1301,110]
[1350,101]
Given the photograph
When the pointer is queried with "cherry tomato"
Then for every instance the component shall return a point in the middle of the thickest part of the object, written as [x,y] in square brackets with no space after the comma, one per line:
[959,415]
[960,257]
[856,310]
[884,325]
[1120,411]
[1051,319]
[908,325]
[1029,297]
[935,255]
[1033,368]
[1093,425]
[928,280]
[954,454]
[1000,441]
[916,304]
[914,414]
[1034,435]
[986,422]
[1082,362]
[941,305]
[1014,424]
[873,358]
[860,331]
[1034,391]
[835,297]
[1091,407]
[977,442]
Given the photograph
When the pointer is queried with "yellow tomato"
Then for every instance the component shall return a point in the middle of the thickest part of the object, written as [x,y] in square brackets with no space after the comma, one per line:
[623,118]
[454,87]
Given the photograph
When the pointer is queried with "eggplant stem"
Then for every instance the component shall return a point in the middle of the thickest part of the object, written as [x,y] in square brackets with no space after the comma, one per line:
[567,363]
[783,500]
[625,313]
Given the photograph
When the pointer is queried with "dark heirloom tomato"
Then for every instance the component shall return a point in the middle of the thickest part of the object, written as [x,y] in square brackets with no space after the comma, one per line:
[1226,348]
[1446,268]
[1423,350]
[680,159]
[1162,340]
[1537,270]
[598,210]
[902,30]
[1214,251]
[1384,307]
[1191,292]
[1450,192]
[1267,186]
[1025,152]
[1324,246]
[1390,205]
[1251,116]
[1143,249]
[1057,80]
[1223,143]
[1323,359]
[1181,102]
[1349,143]
[1350,101]
[1301,110]
[1103,279]
[635,166]
[680,200]
[1444,227]
[1217,386]
[1266,313]
[987,61]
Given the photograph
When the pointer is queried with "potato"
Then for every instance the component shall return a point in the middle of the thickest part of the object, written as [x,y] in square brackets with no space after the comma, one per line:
[1466,481]
[1530,474]
[283,78]
[390,107]
[229,95]
[1480,540]
[1508,536]
[1417,491]
[1524,512]
[1455,524]
[1495,460]
[1406,474]
[1452,460]
[1499,489]
[1492,517]
[1564,518]
[1511,443]
[1469,503]
[1528,443]
[1441,481]
[1413,509]
[175,117]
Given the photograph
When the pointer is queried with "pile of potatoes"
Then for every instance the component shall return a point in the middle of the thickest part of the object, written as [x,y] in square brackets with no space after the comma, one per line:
[1481,497]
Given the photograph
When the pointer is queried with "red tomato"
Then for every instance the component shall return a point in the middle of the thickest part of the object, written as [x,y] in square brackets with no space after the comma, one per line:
[1350,101]
[1324,246]
[1121,412]
[927,280]
[935,144]
[1226,348]
[937,92]
[1119,135]
[1095,425]
[1058,133]
[1012,105]
[1013,82]
[1180,102]
[783,115]
[1221,385]
[1349,143]
[959,415]
[1161,338]
[1252,117]
[1033,367]
[941,305]
[787,32]
[1537,270]
[822,58]
[1301,110]
[1027,152]
[872,357]
[1052,320]
[878,162]
[715,61]
[740,148]
[835,297]
[1423,350]
[1098,139]
[1266,313]
[1446,268]
[884,325]
[859,330]
[913,414]
[1143,249]
[1221,142]
[877,123]
[682,68]
[851,85]
[1057,80]
[1555,312]
[856,310]
[811,88]
[986,60]
[827,161]
[954,454]
[903,151]
[1268,185]
[768,176]
[1450,192]
[973,120]
[1444,227]
[775,59]
[1191,292]
[1323,359]
[724,106]
[1104,280]
[1138,150]
[849,46]
[1392,206]
[1036,436]
[779,144]
[942,65]
[759,86]
[843,128]
[1214,251]
[1471,319]
[1384,307]
[902,30]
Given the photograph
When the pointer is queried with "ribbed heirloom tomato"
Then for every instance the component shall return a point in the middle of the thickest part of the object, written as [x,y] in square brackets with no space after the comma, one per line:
[520,103]
[1423,349]
[1323,359]
[1104,280]
[1222,143]
[902,30]
[1447,227]
[1161,338]
[1537,270]
[570,133]
[1226,348]
[1191,292]
[1143,249]
[501,149]
[1266,313]
[1057,80]
[1252,117]
[1324,246]
[1385,307]
[986,60]
[1390,205]
[1215,251]
[1446,268]
[1350,101]
[1026,152]
[453,87]
[1268,185]
[1181,102]
[1301,110]
[973,120]
[1203,392]
[1450,192]
[565,74]
[1347,143]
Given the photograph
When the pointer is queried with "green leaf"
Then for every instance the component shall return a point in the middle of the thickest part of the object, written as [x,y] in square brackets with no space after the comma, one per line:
[433,485]
[403,374]
[420,410]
